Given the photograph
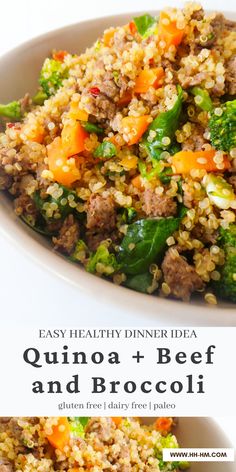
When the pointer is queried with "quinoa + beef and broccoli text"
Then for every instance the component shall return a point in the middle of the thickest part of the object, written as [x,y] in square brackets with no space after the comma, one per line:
[78,444]
[126,156]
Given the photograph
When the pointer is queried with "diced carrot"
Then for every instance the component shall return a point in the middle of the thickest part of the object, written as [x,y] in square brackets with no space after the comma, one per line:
[59,55]
[108,37]
[184,161]
[117,140]
[135,126]
[129,162]
[132,27]
[76,113]
[60,434]
[164,425]
[168,31]
[65,171]
[34,132]
[117,420]
[125,98]
[149,78]
[73,138]
[137,182]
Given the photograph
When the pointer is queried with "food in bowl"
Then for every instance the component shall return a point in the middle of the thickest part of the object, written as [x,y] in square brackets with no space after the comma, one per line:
[126,156]
[80,444]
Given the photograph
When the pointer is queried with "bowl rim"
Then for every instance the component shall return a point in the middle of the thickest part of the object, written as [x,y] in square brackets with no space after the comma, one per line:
[12,229]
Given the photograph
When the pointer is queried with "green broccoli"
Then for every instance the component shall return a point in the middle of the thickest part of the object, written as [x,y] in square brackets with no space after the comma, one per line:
[52,75]
[39,98]
[226,286]
[222,126]
[202,98]
[11,110]
[77,426]
[102,261]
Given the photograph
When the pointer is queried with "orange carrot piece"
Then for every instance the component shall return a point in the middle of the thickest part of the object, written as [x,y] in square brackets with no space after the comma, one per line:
[168,31]
[184,161]
[108,37]
[115,140]
[76,113]
[59,55]
[65,171]
[125,98]
[117,420]
[164,425]
[136,126]
[149,78]
[129,162]
[132,27]
[73,138]
[60,434]
[33,133]
[137,182]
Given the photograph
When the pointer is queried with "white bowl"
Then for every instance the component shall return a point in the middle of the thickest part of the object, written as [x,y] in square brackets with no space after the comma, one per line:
[19,71]
[201,433]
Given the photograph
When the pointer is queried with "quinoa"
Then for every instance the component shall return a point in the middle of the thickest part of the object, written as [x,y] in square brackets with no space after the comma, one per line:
[111,444]
[90,161]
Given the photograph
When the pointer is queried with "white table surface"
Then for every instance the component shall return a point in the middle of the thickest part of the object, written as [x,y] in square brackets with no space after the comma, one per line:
[25,288]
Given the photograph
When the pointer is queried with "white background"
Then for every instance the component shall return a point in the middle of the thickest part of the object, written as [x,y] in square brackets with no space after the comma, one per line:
[25,288]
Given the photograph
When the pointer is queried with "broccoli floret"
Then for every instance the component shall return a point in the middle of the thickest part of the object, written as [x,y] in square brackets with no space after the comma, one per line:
[219,191]
[52,75]
[226,286]
[102,261]
[222,126]
[39,98]
[11,110]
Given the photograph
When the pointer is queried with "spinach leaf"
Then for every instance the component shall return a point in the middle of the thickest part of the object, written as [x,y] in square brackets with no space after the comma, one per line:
[144,23]
[165,126]
[139,282]
[83,420]
[38,226]
[144,243]
[105,149]
[63,202]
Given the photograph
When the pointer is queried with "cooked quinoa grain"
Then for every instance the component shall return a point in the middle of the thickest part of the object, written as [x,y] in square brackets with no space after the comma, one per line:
[125,157]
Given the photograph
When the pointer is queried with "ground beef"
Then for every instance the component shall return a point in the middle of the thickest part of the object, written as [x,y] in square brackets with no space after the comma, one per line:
[24,205]
[102,105]
[123,83]
[108,86]
[231,75]
[190,80]
[101,214]
[68,235]
[103,428]
[180,276]
[232,181]
[204,234]
[196,141]
[198,15]
[5,180]
[220,23]
[158,205]
[94,238]
[6,467]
